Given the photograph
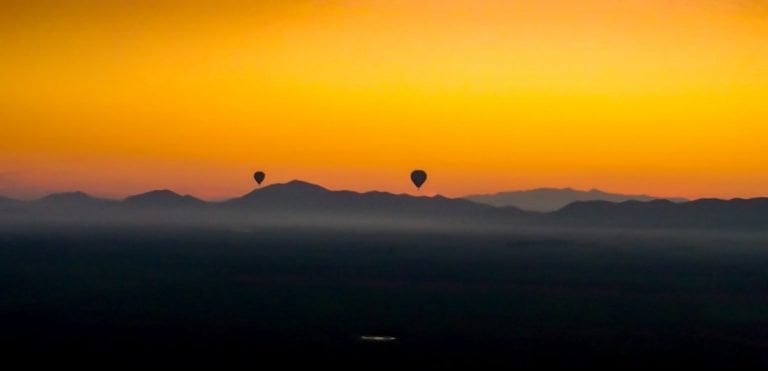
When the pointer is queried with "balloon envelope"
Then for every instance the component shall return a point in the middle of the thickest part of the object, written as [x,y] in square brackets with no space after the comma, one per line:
[259,176]
[418,177]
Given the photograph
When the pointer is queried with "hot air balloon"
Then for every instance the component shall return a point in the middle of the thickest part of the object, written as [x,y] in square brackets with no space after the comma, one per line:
[259,177]
[418,177]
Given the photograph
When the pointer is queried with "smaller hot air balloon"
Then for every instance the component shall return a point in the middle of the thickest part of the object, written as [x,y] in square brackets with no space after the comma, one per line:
[259,177]
[418,177]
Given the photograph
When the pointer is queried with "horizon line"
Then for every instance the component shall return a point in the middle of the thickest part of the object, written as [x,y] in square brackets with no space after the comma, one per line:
[415,194]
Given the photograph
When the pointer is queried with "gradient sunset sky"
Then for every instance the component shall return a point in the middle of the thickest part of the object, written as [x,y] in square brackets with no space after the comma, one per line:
[667,97]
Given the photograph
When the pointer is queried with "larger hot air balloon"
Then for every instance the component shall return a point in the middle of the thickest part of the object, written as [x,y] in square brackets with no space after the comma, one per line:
[259,177]
[418,177]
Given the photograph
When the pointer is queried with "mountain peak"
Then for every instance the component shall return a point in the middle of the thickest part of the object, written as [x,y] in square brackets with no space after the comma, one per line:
[298,184]
[72,199]
[294,187]
[161,197]
[68,197]
[5,201]
[156,193]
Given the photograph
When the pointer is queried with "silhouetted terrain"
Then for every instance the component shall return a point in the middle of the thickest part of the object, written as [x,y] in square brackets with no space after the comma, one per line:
[293,203]
[707,213]
[300,203]
[551,199]
[71,200]
[163,198]
[7,204]
[305,200]
[296,274]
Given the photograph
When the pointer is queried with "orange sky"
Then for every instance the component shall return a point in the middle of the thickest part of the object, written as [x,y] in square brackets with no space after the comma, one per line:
[667,97]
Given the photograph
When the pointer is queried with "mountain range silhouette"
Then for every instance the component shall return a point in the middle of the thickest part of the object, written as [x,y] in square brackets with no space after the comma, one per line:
[552,199]
[299,196]
[704,213]
[298,202]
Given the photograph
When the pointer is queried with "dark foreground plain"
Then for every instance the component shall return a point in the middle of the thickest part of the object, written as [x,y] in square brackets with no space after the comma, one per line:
[532,299]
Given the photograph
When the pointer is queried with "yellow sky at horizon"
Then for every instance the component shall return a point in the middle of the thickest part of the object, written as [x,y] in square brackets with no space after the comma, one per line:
[658,96]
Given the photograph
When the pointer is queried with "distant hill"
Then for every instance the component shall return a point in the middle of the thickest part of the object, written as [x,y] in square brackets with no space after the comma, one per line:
[8,204]
[300,203]
[6,200]
[292,203]
[551,199]
[298,198]
[163,198]
[705,213]
[62,202]
[73,198]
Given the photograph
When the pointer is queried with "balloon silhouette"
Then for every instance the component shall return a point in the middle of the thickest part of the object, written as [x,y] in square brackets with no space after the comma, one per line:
[418,177]
[259,176]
